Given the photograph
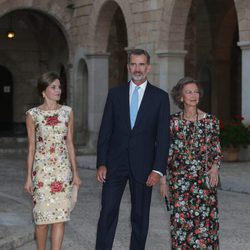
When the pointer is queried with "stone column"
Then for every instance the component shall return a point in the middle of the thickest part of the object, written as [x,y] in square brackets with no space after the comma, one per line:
[245,86]
[97,93]
[171,65]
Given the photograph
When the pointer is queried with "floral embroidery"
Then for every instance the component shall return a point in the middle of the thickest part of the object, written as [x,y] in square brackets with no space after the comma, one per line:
[56,186]
[52,120]
[51,173]
[52,150]
[40,184]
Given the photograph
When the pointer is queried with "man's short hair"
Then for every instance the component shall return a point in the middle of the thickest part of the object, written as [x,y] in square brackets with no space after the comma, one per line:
[138,52]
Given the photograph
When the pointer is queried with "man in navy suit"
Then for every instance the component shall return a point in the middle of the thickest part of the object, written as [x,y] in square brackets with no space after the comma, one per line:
[132,146]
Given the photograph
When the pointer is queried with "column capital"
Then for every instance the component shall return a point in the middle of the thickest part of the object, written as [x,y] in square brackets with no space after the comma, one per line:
[98,55]
[244,45]
[171,53]
[129,48]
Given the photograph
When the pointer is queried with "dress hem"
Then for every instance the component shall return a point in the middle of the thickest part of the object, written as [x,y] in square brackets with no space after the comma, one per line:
[54,222]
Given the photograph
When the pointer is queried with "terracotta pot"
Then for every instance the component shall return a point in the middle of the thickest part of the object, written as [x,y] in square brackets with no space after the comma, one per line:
[230,154]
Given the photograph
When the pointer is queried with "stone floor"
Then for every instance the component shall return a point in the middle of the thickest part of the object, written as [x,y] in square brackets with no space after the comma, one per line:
[16,228]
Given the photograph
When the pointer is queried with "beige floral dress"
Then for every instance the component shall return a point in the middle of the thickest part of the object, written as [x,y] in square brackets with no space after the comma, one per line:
[52,175]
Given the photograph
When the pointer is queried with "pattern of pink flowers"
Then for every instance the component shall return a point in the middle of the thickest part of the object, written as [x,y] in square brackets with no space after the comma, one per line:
[52,120]
[194,215]
[52,150]
[40,184]
[56,186]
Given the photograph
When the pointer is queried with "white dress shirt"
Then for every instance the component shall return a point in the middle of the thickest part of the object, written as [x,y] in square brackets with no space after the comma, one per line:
[141,92]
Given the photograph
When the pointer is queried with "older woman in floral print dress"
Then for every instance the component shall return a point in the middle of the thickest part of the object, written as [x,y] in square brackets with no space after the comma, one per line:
[51,164]
[194,157]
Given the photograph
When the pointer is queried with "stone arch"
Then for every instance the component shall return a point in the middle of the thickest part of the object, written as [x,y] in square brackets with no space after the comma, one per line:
[50,9]
[100,22]
[173,25]
[34,53]
[242,9]
[225,46]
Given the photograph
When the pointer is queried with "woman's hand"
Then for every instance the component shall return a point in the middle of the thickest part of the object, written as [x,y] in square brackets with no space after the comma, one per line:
[213,174]
[163,186]
[28,187]
[76,180]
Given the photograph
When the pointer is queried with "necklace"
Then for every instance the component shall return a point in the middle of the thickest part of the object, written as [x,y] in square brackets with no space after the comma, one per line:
[189,144]
[190,116]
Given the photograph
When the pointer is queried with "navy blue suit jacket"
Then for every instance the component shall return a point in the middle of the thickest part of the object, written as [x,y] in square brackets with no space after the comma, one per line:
[145,147]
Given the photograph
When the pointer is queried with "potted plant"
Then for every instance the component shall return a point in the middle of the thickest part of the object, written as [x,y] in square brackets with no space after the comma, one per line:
[233,136]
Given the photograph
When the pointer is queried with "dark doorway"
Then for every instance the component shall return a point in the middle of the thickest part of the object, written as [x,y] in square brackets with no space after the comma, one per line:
[6,102]
[63,79]
[117,43]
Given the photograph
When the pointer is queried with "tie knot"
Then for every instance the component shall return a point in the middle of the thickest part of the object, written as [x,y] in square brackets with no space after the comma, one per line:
[136,89]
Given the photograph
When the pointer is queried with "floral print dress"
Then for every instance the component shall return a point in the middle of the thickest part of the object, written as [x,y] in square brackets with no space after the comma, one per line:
[194,210]
[52,175]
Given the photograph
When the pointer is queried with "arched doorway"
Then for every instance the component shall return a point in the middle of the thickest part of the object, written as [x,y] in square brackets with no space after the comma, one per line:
[39,46]
[108,43]
[117,42]
[110,37]
[212,53]
[6,101]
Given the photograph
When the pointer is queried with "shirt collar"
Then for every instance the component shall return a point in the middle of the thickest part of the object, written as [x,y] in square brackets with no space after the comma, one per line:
[142,86]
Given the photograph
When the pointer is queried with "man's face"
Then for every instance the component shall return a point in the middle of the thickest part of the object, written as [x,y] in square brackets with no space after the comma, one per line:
[139,68]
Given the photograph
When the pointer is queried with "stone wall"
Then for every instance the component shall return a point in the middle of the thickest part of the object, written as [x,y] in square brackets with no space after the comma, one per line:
[89,39]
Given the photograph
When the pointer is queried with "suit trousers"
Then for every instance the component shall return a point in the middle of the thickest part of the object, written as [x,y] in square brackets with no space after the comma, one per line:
[112,193]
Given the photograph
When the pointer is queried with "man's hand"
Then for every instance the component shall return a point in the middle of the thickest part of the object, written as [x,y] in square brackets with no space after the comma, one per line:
[101,174]
[153,178]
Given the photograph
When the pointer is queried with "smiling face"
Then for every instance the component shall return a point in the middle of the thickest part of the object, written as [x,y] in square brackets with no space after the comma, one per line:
[53,91]
[139,68]
[190,95]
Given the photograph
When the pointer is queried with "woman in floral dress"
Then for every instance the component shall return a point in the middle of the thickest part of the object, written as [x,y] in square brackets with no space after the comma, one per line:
[51,164]
[194,157]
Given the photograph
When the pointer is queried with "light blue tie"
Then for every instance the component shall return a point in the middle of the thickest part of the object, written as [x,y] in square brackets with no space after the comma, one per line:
[134,106]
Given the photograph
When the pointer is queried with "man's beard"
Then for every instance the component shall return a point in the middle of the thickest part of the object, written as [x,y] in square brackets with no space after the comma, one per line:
[139,76]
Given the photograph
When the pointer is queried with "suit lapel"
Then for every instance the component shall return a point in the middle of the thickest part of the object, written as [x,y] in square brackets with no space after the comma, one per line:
[127,109]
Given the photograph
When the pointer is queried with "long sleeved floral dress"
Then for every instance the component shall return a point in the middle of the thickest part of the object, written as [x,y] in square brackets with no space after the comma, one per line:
[52,175]
[194,213]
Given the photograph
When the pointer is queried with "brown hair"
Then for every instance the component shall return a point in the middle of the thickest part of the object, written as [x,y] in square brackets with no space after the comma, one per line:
[139,52]
[45,80]
[176,91]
